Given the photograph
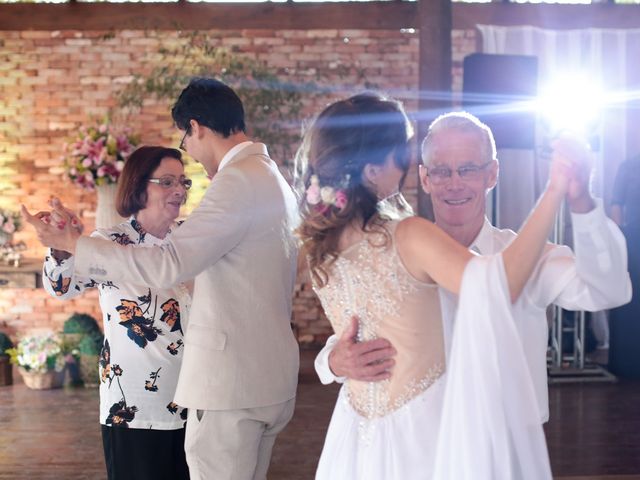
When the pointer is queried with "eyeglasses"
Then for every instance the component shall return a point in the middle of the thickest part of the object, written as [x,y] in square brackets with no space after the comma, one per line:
[181,146]
[440,175]
[169,181]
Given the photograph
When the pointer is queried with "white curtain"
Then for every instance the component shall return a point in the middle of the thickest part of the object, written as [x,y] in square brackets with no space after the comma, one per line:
[602,54]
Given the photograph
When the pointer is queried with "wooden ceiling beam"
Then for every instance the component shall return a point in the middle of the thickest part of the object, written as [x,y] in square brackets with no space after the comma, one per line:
[204,16]
[386,15]
[434,73]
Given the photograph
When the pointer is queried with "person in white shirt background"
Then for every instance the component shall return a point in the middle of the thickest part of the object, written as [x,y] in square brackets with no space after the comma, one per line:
[459,169]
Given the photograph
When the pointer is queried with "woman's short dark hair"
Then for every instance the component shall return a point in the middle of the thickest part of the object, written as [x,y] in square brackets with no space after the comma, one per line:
[132,186]
[211,103]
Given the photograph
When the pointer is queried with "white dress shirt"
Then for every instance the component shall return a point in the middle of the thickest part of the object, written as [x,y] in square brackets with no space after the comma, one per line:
[594,278]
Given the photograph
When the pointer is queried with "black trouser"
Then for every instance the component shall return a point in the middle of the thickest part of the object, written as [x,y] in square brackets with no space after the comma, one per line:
[141,454]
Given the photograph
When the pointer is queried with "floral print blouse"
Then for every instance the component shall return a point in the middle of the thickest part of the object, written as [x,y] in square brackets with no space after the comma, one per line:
[143,345]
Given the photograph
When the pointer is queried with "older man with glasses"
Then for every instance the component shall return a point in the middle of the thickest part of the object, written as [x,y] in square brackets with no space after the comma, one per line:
[460,168]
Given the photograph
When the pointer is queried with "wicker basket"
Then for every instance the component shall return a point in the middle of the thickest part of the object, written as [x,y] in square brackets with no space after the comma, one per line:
[42,381]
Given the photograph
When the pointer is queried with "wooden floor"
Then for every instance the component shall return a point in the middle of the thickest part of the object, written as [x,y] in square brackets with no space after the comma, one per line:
[594,432]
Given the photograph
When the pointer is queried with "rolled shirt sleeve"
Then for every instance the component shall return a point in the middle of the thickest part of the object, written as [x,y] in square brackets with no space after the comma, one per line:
[595,277]
[321,363]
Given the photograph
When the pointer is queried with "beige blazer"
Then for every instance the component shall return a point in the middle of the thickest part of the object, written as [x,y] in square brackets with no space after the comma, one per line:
[239,245]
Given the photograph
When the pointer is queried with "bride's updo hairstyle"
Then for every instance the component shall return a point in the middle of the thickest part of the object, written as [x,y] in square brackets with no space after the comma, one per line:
[343,139]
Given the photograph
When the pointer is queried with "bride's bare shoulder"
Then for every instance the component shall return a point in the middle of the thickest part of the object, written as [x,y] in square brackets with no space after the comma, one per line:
[412,226]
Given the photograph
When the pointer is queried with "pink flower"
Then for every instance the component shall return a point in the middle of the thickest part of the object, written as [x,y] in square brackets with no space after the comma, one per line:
[98,152]
[313,195]
[341,199]
[313,192]
[9,227]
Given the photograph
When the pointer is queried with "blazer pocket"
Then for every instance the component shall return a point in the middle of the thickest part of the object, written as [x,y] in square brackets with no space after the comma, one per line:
[205,337]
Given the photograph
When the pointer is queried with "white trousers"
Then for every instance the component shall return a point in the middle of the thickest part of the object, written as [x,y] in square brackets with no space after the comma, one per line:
[234,444]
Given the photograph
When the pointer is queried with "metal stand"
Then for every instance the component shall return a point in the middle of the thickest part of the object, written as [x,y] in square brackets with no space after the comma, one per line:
[572,367]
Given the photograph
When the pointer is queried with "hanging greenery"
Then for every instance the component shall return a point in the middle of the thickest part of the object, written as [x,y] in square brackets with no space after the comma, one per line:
[272,106]
[275,102]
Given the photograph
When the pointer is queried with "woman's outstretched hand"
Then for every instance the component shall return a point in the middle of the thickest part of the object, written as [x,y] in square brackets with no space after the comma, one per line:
[58,229]
[59,215]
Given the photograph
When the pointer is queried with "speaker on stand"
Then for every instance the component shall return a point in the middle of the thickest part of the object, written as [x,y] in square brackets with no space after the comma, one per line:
[498,90]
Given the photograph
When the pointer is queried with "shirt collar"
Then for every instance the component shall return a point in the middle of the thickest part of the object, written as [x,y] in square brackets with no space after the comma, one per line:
[232,153]
[483,244]
[143,235]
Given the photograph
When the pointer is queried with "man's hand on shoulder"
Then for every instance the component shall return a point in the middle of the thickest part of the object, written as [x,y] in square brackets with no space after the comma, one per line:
[370,361]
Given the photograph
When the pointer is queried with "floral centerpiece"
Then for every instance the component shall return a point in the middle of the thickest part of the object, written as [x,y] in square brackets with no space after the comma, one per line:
[9,221]
[97,154]
[40,359]
[9,224]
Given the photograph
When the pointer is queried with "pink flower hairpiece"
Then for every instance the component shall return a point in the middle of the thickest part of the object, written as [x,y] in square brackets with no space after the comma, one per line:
[324,197]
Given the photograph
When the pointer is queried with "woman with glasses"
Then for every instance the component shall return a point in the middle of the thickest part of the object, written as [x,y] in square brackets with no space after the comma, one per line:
[142,428]
[369,263]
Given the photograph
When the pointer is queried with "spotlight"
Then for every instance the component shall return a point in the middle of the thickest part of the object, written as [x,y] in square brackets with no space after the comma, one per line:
[571,102]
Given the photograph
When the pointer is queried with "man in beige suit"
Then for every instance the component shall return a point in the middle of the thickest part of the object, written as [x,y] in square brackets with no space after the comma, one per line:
[239,372]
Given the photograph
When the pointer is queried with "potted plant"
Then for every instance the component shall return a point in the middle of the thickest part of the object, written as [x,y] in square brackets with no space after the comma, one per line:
[74,329]
[90,347]
[40,360]
[69,346]
[6,370]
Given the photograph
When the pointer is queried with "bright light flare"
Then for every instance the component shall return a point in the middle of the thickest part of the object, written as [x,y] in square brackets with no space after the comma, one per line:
[571,102]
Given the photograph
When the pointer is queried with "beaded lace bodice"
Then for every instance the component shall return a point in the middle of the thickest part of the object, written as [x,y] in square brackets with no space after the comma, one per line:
[369,280]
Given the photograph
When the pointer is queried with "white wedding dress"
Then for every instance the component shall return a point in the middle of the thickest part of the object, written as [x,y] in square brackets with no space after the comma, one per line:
[416,425]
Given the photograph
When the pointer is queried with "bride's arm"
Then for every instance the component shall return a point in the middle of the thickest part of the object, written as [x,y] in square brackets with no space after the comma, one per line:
[428,252]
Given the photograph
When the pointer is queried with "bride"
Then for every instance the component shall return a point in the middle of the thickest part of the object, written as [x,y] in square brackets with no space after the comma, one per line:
[369,262]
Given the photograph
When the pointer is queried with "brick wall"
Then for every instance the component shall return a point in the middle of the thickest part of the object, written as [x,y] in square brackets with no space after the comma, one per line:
[52,82]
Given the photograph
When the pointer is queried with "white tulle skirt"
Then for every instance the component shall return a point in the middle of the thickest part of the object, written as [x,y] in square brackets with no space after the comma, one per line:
[398,446]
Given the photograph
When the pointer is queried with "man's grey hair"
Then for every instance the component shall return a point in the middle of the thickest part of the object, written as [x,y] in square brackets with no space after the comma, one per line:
[462,122]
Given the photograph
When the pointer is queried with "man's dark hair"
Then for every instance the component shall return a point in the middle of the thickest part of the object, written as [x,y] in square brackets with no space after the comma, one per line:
[210,103]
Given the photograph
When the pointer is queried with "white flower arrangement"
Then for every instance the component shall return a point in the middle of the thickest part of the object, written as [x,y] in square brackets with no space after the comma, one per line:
[38,353]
